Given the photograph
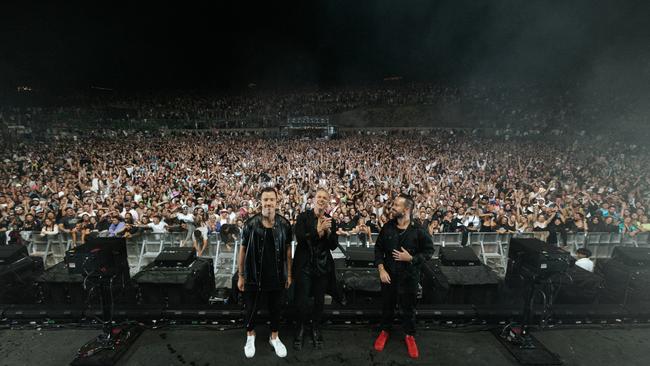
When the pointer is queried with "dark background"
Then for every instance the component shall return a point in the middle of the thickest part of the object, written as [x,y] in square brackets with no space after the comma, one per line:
[224,46]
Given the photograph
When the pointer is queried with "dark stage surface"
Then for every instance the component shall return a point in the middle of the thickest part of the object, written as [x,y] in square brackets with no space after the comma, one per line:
[200,346]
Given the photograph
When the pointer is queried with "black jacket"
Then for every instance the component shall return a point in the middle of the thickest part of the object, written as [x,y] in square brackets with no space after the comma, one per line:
[309,244]
[416,241]
[252,240]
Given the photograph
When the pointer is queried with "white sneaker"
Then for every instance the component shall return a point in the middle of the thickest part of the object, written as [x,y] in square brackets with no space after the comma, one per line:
[249,349]
[280,349]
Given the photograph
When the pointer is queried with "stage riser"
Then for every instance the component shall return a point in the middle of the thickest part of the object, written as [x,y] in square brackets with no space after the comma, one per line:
[599,314]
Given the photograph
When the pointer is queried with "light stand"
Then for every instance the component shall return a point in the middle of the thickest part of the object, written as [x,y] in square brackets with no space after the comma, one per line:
[526,349]
[101,261]
[114,341]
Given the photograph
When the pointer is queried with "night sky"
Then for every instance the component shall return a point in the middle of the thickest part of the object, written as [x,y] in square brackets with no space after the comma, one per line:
[225,46]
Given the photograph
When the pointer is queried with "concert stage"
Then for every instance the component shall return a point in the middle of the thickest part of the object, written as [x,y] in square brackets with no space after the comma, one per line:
[463,311]
[198,345]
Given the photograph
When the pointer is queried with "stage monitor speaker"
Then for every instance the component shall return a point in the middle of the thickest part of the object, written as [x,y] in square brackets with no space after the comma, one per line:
[11,253]
[533,260]
[176,257]
[58,286]
[577,286]
[359,285]
[632,256]
[176,285]
[477,285]
[624,284]
[458,256]
[100,257]
[18,280]
[360,257]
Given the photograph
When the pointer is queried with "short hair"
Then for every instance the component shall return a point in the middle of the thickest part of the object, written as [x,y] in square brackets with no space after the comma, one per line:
[408,200]
[584,251]
[268,189]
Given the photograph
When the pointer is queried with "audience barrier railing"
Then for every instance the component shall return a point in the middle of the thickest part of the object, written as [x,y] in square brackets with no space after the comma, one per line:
[491,248]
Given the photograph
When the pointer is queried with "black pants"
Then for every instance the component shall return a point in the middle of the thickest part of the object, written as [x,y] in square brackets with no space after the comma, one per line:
[310,284]
[406,301]
[257,300]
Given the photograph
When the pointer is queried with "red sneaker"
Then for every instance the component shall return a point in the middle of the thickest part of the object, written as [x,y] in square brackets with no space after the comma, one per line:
[412,347]
[380,342]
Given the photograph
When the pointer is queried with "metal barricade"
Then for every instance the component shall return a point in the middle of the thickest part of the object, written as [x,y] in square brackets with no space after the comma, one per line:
[40,246]
[599,245]
[451,239]
[489,247]
[152,245]
[643,239]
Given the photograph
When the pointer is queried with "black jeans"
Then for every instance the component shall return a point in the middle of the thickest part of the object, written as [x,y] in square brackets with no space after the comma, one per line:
[390,297]
[255,300]
[310,284]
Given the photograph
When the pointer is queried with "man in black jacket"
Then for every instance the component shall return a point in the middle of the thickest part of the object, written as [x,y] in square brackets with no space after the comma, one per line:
[401,248]
[265,268]
[313,265]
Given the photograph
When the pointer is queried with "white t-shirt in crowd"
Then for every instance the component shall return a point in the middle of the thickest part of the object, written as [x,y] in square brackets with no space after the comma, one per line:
[474,220]
[158,229]
[586,264]
[204,231]
[185,218]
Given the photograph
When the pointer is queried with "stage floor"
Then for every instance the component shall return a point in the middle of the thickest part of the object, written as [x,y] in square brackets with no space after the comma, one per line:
[198,346]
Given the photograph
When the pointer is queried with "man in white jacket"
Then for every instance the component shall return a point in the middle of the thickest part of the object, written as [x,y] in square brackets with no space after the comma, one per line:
[583,261]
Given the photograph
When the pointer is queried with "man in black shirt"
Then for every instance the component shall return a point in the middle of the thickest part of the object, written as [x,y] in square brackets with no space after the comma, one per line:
[401,248]
[347,226]
[372,224]
[68,224]
[265,268]
[610,225]
[450,224]
[556,231]
[313,265]
[31,224]
[103,220]
[597,225]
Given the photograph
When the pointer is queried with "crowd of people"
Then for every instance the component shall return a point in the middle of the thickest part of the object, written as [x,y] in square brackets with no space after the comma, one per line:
[250,108]
[124,183]
[485,105]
